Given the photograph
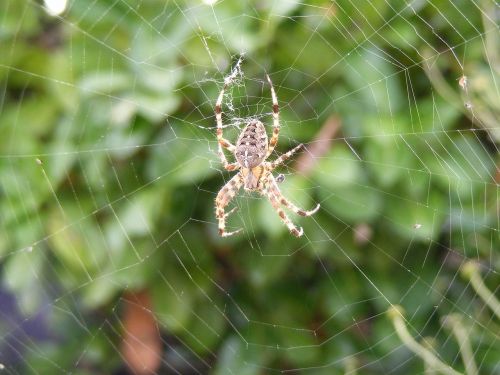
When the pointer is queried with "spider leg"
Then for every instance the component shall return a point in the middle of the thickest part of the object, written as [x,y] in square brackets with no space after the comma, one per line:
[296,231]
[221,141]
[231,166]
[276,120]
[284,157]
[225,195]
[273,187]
[218,116]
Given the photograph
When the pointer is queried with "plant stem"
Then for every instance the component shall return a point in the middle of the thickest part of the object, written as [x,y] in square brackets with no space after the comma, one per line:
[429,344]
[470,270]
[454,322]
[396,315]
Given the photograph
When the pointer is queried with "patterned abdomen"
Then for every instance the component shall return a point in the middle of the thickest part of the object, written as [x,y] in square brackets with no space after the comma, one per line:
[251,146]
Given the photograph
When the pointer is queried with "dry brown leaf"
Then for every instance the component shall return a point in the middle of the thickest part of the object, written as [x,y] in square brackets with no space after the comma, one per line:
[141,346]
[319,146]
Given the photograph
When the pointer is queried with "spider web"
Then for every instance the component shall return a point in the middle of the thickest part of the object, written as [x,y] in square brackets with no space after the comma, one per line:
[109,251]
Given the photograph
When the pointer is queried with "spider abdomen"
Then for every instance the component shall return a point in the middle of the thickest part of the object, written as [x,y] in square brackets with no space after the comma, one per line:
[251,146]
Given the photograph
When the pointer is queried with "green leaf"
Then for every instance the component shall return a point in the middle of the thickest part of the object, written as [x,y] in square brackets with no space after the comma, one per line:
[182,160]
[340,168]
[77,243]
[24,277]
[206,331]
[416,220]
[462,165]
[173,305]
[236,358]
[354,204]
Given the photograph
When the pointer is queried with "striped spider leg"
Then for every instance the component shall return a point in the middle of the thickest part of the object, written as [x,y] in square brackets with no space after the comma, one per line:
[273,193]
[225,195]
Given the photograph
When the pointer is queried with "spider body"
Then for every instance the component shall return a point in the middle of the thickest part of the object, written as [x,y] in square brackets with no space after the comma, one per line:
[255,173]
[250,152]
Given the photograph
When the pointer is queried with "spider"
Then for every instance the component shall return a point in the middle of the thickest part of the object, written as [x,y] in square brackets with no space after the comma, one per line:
[255,173]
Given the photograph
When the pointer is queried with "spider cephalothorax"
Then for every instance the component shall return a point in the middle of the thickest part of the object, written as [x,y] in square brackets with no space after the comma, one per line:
[251,152]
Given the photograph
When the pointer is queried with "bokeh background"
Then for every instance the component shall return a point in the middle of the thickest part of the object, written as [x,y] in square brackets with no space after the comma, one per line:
[110,262]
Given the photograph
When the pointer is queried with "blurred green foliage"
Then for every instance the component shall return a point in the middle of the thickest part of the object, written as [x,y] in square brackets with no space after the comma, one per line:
[109,170]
